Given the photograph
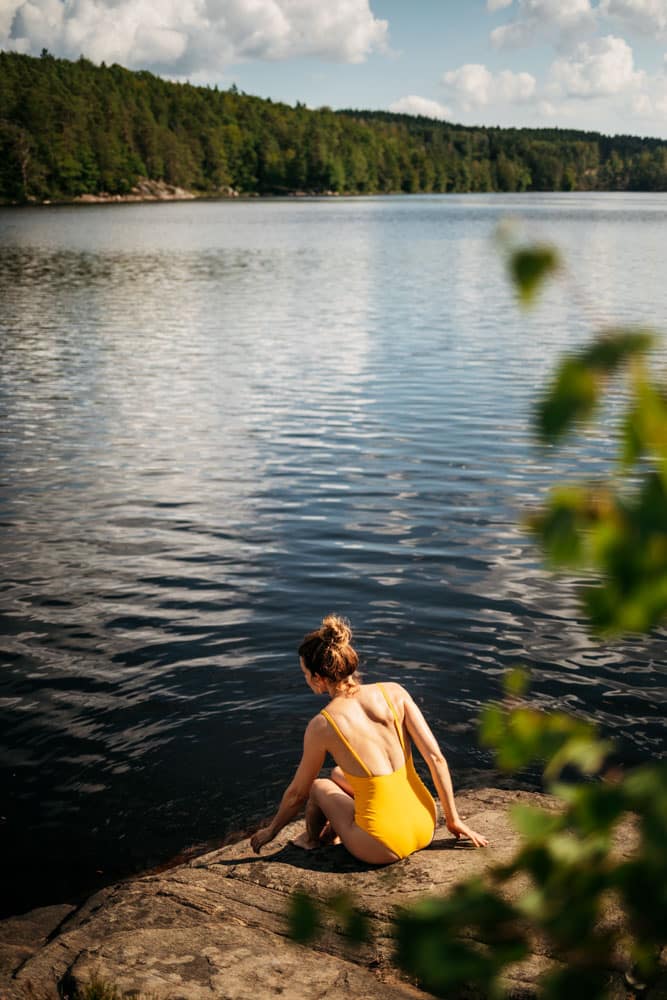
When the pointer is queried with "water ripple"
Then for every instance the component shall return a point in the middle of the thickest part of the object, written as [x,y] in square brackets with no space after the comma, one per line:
[221,421]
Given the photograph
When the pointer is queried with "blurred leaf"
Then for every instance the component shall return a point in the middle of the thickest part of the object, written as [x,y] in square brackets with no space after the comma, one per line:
[492,725]
[516,681]
[534,823]
[585,754]
[646,785]
[429,944]
[529,266]
[577,523]
[357,927]
[576,984]
[575,391]
[630,553]
[303,918]
[568,850]
[558,528]
[572,397]
[644,432]
[522,735]
[593,807]
[355,923]
[615,346]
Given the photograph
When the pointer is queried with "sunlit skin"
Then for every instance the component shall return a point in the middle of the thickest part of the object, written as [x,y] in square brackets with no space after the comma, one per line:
[328,802]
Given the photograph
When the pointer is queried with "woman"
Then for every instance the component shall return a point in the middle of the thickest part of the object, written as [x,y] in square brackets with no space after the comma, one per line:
[374,800]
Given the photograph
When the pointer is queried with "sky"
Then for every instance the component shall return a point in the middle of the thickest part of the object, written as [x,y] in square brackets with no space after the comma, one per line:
[591,64]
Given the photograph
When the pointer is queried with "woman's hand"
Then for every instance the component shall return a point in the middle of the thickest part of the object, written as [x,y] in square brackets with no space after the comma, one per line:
[461,829]
[259,839]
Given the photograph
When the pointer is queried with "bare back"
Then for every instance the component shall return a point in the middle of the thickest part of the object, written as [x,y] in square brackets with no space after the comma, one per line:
[367,723]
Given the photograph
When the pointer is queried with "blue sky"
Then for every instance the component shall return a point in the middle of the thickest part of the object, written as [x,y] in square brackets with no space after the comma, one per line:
[594,64]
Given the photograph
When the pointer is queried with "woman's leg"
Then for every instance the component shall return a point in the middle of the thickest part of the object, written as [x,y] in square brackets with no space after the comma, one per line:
[328,835]
[329,800]
[319,831]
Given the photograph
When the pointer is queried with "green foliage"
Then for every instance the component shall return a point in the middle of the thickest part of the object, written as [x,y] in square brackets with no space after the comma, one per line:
[431,943]
[580,379]
[68,128]
[529,267]
[523,734]
[616,530]
[571,868]
[623,537]
[305,917]
[353,921]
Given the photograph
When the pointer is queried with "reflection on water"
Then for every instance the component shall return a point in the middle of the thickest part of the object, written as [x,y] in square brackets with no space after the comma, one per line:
[220,421]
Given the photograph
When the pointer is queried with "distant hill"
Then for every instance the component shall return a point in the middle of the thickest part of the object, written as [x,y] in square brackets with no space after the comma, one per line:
[73,128]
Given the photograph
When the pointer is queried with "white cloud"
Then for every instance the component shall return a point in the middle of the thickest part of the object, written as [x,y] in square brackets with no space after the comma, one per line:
[651,103]
[514,87]
[474,86]
[558,20]
[471,84]
[414,105]
[188,36]
[598,68]
[7,11]
[498,4]
[645,16]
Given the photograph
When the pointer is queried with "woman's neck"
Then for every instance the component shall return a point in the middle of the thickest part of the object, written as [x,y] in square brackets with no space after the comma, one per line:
[345,690]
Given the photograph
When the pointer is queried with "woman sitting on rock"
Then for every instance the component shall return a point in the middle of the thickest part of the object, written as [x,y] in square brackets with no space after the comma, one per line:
[374,800]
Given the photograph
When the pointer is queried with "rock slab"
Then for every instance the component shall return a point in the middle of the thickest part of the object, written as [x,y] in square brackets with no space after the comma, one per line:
[216,926]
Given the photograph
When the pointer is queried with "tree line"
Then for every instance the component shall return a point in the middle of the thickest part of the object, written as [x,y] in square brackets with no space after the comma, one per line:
[72,128]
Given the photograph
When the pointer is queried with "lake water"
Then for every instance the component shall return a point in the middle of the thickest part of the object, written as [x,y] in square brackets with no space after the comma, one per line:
[221,421]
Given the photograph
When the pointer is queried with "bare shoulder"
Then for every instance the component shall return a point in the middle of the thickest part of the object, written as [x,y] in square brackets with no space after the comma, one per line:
[398,694]
[317,728]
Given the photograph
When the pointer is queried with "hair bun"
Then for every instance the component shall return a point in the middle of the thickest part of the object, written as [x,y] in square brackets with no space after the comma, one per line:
[335,631]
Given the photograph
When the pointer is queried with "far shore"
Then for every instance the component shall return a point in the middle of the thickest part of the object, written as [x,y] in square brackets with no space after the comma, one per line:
[159,191]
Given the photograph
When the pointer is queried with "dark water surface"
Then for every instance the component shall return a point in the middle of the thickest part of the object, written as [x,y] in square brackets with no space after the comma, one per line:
[220,421]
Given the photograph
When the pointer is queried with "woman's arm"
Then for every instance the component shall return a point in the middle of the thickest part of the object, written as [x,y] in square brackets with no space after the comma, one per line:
[296,794]
[428,747]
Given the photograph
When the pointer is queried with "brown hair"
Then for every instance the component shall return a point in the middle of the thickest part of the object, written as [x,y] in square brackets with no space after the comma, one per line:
[327,652]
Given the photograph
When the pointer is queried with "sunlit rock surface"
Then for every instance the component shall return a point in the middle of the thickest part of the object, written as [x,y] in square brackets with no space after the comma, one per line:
[216,927]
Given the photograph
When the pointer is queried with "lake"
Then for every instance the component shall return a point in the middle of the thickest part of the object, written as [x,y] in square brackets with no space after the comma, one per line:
[222,420]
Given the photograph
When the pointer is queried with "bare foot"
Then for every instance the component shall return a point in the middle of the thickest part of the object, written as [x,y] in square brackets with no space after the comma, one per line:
[304,841]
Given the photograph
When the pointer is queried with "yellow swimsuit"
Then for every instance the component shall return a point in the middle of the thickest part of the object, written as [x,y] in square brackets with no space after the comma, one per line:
[397,809]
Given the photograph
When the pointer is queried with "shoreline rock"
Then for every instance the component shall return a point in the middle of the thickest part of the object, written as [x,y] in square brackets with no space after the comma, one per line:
[149,190]
[144,190]
[216,925]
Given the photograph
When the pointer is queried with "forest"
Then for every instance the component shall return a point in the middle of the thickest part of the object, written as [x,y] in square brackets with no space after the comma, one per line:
[74,128]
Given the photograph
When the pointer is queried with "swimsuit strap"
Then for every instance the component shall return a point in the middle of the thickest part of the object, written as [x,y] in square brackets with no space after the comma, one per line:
[353,752]
[399,727]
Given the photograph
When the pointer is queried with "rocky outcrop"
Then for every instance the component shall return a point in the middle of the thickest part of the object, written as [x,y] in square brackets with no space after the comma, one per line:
[215,927]
[147,190]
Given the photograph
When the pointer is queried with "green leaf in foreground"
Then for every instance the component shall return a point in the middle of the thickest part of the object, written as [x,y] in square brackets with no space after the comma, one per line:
[430,943]
[521,735]
[644,432]
[579,380]
[529,266]
[303,918]
[355,922]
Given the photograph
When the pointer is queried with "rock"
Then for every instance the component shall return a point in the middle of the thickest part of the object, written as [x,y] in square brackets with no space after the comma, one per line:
[215,927]
[144,190]
[149,190]
[21,937]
